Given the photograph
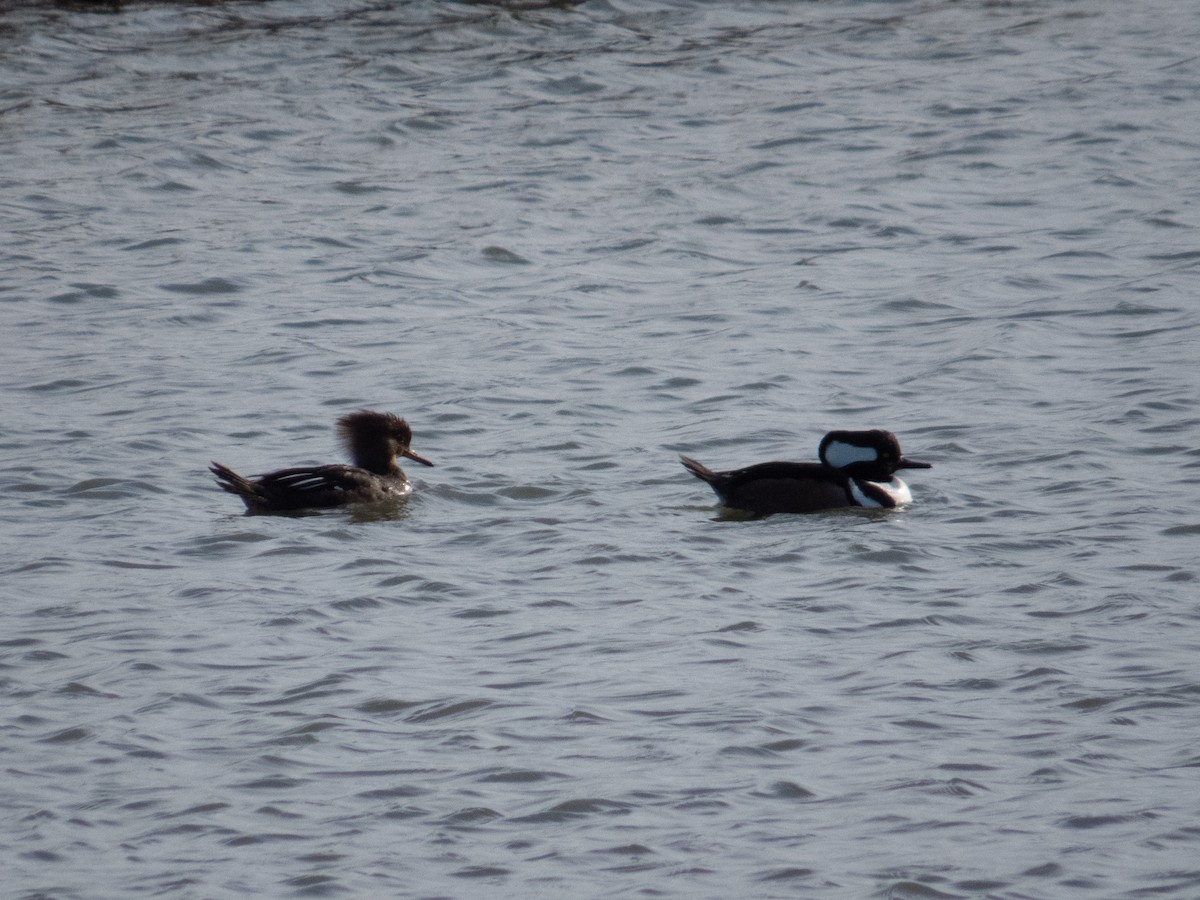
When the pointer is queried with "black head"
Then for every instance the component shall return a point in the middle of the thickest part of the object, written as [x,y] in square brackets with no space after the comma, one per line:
[871,455]
[375,439]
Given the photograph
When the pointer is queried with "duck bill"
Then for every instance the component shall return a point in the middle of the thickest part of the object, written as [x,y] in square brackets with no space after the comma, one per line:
[415,457]
[912,464]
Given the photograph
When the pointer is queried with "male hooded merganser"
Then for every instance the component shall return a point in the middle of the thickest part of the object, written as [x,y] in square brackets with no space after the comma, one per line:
[373,440]
[857,468]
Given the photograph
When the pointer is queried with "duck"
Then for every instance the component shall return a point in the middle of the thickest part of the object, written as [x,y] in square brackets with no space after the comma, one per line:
[373,440]
[856,469]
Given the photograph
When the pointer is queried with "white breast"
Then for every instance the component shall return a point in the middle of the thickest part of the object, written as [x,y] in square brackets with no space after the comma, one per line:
[896,489]
[899,491]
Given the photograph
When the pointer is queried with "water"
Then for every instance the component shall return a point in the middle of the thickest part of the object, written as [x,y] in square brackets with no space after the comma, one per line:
[568,244]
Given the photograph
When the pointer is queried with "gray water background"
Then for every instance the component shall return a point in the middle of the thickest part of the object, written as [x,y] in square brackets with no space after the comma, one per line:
[568,244]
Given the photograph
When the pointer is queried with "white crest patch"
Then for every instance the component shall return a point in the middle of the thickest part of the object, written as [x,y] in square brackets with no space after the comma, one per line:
[840,454]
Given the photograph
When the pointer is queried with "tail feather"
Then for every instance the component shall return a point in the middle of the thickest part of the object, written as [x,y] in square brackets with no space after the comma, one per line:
[701,471]
[232,481]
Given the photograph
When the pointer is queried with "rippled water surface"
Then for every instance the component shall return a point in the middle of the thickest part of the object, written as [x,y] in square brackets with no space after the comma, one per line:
[568,244]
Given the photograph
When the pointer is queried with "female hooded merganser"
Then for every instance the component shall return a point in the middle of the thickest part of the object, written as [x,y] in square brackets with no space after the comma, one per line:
[373,440]
[857,468]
